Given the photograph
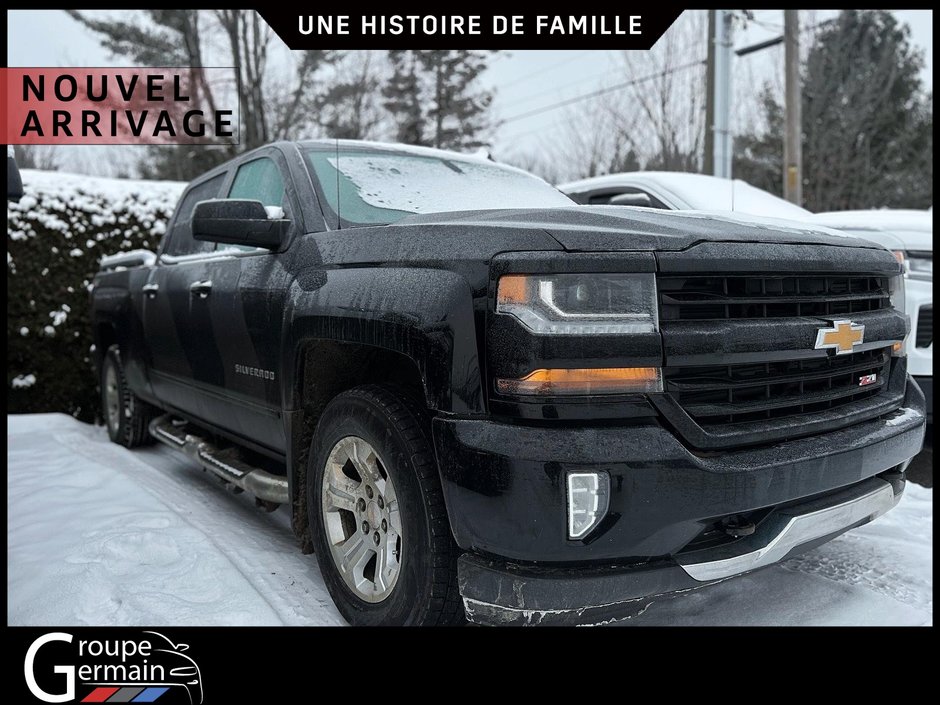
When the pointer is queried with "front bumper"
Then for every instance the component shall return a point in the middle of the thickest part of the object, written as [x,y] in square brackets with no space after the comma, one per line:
[496,592]
[504,485]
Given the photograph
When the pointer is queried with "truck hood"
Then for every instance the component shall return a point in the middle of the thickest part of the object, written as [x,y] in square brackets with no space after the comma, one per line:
[616,228]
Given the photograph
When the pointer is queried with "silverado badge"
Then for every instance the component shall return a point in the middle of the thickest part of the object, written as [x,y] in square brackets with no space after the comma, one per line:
[842,337]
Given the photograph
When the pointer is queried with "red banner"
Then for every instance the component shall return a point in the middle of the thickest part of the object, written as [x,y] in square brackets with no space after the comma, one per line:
[119,106]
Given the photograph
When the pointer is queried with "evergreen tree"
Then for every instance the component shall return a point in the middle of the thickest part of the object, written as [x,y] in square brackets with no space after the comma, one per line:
[434,98]
[350,106]
[867,123]
[403,97]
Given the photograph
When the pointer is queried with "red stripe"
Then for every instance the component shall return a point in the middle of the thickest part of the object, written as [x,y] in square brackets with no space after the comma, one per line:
[99,695]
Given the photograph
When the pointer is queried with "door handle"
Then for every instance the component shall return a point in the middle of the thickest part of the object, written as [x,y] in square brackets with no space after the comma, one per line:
[202,288]
[150,290]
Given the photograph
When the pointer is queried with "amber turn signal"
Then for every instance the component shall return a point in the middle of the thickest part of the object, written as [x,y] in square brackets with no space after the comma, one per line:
[602,380]
[512,289]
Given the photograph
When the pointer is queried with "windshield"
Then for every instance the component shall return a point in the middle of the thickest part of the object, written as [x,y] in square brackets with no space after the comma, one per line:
[376,186]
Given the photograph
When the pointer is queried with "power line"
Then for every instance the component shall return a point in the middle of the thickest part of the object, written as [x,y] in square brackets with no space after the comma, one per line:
[537,72]
[601,91]
[774,41]
[556,90]
[774,26]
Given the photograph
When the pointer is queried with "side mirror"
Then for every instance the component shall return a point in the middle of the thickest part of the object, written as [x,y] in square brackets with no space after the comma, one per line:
[14,182]
[631,199]
[238,222]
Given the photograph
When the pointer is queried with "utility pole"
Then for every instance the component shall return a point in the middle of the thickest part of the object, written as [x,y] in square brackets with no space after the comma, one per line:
[722,99]
[793,136]
[708,165]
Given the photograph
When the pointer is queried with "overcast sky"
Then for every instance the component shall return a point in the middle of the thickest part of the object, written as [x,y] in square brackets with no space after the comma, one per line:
[523,81]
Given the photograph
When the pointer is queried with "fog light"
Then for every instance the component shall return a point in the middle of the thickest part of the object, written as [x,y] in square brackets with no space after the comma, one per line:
[588,498]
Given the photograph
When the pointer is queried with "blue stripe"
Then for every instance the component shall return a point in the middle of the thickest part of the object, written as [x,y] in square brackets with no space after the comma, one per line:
[149,695]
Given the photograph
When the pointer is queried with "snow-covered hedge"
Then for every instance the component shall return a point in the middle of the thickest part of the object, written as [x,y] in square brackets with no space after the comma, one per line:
[56,236]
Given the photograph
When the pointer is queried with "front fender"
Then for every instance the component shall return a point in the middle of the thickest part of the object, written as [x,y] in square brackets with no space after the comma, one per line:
[422,313]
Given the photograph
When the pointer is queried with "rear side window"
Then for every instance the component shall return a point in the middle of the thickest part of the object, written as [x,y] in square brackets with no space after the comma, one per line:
[181,236]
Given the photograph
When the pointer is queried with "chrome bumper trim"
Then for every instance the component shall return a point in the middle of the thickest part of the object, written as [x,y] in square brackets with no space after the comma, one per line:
[787,529]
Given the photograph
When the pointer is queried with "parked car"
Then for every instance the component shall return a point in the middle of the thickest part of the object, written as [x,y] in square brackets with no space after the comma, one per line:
[480,400]
[907,233]
[914,230]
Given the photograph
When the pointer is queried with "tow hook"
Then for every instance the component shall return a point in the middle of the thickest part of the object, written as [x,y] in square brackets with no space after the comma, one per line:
[737,526]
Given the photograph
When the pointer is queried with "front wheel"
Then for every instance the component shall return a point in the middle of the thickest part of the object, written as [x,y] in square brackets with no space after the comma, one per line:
[376,513]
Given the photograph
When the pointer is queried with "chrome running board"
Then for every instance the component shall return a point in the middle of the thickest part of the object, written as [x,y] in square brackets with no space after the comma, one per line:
[223,462]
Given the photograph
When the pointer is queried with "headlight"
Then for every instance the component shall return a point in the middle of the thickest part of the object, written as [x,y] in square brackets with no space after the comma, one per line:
[896,288]
[920,265]
[580,304]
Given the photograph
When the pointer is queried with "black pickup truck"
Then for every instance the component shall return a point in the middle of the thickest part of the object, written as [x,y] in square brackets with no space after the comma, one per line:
[482,401]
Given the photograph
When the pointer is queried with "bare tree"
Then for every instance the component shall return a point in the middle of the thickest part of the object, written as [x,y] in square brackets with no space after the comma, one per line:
[351,106]
[669,94]
[593,138]
[275,102]
[537,161]
[248,40]
[651,116]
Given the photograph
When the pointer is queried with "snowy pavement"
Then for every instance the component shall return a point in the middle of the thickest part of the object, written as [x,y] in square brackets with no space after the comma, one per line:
[97,534]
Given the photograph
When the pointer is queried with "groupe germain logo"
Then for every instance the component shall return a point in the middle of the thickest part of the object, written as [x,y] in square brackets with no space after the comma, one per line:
[254,372]
[135,670]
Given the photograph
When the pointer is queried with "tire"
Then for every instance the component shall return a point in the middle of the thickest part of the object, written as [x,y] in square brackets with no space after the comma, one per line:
[125,416]
[385,430]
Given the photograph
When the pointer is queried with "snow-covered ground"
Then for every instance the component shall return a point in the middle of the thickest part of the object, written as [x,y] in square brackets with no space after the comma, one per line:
[101,535]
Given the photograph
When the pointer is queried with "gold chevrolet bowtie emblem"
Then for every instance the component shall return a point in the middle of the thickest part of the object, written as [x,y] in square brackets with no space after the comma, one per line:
[842,337]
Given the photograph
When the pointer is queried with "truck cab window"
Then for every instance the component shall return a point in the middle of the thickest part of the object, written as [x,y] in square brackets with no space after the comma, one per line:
[258,180]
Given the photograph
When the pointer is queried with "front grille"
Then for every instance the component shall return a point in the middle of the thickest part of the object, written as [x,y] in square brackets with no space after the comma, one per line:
[729,394]
[698,297]
[924,337]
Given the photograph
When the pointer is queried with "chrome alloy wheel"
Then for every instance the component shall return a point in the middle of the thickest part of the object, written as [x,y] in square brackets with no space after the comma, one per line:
[112,398]
[361,517]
